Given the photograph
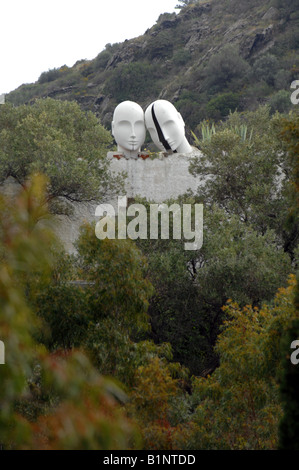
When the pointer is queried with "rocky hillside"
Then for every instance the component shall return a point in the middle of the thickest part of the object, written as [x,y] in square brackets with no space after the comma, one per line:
[212,57]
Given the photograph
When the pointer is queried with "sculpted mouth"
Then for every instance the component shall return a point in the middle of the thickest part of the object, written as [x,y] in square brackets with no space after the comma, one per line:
[133,144]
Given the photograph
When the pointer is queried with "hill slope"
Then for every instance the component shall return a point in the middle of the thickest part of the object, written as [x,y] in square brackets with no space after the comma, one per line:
[211,57]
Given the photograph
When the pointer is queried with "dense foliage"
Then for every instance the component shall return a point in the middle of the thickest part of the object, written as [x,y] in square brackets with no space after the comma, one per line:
[238,406]
[289,379]
[39,389]
[249,243]
[249,170]
[61,141]
[52,395]
[142,344]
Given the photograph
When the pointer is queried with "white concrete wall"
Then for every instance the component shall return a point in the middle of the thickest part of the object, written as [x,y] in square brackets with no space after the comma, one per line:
[156,179]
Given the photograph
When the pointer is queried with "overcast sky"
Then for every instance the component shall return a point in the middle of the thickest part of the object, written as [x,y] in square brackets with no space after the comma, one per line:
[38,35]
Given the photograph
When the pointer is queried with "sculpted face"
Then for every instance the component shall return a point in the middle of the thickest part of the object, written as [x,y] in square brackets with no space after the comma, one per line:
[166,127]
[128,128]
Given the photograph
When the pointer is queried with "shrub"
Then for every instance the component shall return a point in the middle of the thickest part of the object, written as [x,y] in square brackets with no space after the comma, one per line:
[222,104]
[280,102]
[265,68]
[181,57]
[51,75]
[132,81]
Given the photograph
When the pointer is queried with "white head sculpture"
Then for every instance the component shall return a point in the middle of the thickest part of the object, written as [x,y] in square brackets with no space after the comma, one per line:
[128,128]
[166,127]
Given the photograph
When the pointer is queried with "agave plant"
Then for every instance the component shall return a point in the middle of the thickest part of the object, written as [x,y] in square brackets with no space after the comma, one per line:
[207,132]
[242,131]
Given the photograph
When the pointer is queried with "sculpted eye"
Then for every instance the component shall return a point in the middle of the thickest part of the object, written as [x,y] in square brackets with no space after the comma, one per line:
[124,124]
[139,126]
[169,125]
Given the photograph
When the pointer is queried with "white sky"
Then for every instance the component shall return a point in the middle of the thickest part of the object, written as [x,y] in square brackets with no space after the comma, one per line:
[38,35]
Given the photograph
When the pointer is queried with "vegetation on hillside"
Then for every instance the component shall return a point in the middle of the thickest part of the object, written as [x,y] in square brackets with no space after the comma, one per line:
[211,58]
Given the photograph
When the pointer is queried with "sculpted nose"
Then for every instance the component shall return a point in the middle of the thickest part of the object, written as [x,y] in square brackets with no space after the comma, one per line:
[165,133]
[133,133]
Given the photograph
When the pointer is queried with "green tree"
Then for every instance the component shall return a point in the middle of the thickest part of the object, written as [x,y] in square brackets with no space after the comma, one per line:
[59,140]
[265,68]
[118,298]
[48,401]
[221,105]
[247,169]
[192,286]
[280,102]
[238,407]
[105,311]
